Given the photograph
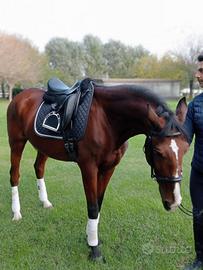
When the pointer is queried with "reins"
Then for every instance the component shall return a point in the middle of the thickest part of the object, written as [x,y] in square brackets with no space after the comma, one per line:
[185,210]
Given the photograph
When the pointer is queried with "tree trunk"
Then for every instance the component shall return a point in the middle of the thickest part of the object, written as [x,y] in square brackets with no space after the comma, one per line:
[10,92]
[3,89]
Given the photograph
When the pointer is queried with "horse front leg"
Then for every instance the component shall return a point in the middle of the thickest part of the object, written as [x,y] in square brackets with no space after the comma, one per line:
[89,175]
[103,180]
[39,166]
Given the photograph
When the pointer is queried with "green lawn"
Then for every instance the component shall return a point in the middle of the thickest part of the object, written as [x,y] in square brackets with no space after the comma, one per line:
[136,231]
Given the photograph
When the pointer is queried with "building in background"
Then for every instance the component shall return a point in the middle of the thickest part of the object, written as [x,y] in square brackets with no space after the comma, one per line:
[169,89]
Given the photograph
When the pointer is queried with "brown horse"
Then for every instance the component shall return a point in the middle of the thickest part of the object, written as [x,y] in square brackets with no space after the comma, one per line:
[116,114]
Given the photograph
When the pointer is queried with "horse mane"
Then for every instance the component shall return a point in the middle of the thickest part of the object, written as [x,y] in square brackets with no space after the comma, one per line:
[162,109]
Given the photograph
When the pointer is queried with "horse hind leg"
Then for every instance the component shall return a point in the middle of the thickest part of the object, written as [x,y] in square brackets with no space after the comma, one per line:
[39,166]
[16,153]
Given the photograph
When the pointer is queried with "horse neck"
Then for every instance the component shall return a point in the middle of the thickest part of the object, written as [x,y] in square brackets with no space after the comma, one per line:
[125,111]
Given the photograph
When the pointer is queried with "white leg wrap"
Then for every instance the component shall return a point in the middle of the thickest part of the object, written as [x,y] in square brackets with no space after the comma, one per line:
[42,191]
[92,232]
[15,203]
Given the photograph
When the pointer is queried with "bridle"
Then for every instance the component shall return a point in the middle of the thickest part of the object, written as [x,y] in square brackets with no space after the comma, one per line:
[149,150]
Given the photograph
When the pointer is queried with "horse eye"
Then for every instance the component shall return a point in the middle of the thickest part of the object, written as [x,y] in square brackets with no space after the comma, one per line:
[158,154]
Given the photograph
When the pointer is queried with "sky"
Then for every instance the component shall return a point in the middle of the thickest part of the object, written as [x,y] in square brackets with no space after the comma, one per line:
[158,25]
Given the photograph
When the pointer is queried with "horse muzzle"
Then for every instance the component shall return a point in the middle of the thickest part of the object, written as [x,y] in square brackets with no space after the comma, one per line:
[171,198]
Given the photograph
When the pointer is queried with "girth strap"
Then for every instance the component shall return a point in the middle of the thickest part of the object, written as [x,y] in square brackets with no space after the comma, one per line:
[71,148]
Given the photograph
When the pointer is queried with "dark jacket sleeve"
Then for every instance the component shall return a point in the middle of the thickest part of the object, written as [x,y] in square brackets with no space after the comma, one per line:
[189,122]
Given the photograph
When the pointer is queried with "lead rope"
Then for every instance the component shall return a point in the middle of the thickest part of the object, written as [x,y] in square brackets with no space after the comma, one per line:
[185,210]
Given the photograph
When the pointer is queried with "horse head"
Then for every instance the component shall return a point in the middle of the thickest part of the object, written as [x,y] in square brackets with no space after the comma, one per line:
[164,150]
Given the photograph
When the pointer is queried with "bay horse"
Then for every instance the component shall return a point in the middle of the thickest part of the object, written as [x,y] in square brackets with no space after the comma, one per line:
[117,113]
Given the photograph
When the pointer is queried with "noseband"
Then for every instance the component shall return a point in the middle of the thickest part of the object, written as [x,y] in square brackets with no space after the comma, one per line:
[148,150]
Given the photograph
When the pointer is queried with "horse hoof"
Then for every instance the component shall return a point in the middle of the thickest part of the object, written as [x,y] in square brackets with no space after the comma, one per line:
[95,255]
[17,216]
[47,204]
[100,242]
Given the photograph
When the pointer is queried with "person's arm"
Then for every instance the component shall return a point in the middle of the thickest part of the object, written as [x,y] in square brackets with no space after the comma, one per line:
[189,122]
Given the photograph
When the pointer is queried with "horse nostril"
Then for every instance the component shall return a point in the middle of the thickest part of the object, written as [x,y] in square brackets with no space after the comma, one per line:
[166,205]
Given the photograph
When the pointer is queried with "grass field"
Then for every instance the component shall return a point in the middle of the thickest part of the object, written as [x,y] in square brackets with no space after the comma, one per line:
[136,231]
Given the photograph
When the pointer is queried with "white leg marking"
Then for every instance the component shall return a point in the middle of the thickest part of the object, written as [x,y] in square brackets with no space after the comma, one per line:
[92,231]
[177,196]
[42,191]
[15,203]
[175,149]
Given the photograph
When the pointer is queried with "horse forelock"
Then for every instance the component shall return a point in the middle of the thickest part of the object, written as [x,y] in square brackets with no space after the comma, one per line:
[171,126]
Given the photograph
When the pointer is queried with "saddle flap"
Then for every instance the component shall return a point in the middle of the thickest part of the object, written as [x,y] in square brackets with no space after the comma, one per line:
[70,109]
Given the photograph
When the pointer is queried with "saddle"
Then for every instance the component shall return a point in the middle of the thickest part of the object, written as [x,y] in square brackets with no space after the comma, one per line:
[62,98]
[64,112]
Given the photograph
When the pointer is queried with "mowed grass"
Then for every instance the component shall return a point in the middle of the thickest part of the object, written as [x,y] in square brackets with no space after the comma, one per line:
[136,231]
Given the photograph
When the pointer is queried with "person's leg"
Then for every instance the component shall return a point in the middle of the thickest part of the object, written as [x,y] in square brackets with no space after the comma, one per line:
[196,192]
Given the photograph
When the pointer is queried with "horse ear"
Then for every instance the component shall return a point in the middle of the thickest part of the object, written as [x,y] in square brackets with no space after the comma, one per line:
[156,121]
[181,110]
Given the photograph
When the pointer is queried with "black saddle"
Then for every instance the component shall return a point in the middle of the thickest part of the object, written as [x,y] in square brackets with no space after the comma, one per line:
[57,87]
[62,97]
[58,91]
[64,113]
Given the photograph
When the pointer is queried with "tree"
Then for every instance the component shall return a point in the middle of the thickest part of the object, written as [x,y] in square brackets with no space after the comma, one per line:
[92,58]
[20,61]
[167,67]
[187,58]
[132,57]
[65,58]
[114,52]
[95,65]
[121,59]
[147,67]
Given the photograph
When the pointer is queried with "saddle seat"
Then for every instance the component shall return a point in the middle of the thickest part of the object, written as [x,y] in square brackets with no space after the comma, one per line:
[57,87]
[57,92]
